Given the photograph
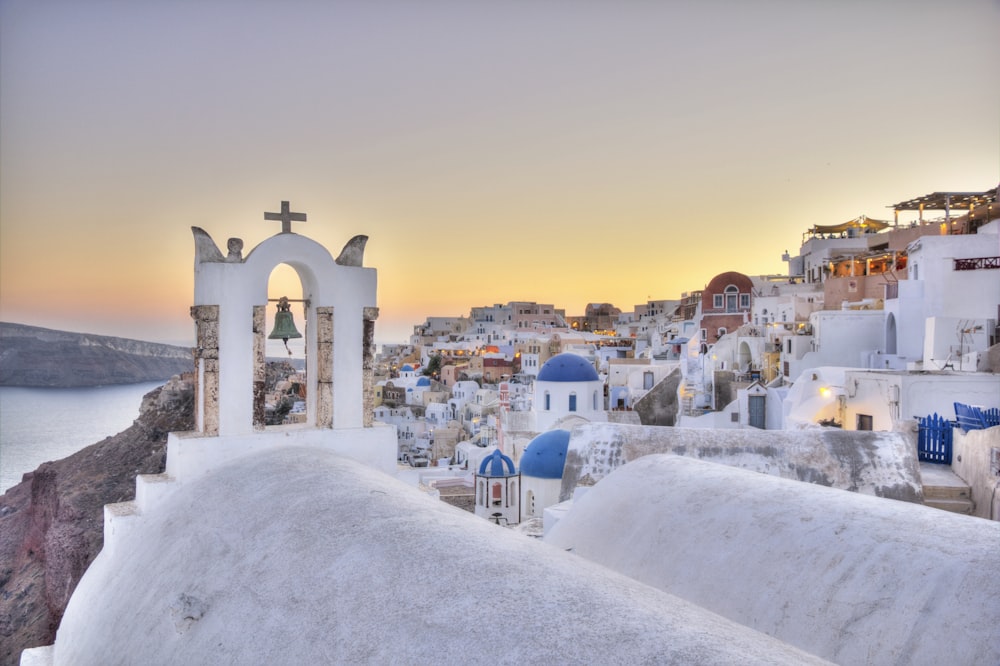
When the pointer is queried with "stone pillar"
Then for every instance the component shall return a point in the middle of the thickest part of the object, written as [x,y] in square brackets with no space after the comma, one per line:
[206,360]
[324,367]
[259,365]
[368,366]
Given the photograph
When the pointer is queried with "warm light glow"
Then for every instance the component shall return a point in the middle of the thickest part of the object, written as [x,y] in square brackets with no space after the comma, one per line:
[561,171]
[824,392]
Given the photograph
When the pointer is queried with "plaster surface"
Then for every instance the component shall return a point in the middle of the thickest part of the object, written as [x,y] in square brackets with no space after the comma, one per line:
[849,577]
[296,555]
[875,463]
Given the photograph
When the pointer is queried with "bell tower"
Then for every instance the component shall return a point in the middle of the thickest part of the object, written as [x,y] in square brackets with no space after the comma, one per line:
[230,304]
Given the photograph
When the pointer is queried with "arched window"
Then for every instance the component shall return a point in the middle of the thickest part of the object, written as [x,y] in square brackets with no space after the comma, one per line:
[572,402]
[548,401]
[732,295]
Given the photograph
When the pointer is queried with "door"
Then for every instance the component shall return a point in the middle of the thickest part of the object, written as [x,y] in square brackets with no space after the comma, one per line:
[756,409]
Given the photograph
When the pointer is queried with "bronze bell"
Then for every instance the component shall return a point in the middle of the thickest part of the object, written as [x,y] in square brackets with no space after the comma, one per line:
[284,324]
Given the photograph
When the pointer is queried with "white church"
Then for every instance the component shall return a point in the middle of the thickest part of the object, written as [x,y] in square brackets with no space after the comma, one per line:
[295,544]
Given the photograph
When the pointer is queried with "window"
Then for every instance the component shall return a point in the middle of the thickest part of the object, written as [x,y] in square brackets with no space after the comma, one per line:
[572,402]
[647,380]
[548,401]
[595,401]
[717,301]
[744,301]
[864,422]
[731,293]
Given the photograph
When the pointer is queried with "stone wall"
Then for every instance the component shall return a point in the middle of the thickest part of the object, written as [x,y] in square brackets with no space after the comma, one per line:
[875,463]
[971,461]
[659,406]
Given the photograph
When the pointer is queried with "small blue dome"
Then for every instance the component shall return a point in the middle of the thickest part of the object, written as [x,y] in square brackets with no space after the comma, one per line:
[493,464]
[545,456]
[423,381]
[567,367]
[406,368]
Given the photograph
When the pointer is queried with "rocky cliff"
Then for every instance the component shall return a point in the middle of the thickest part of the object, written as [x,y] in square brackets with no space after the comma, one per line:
[33,356]
[52,523]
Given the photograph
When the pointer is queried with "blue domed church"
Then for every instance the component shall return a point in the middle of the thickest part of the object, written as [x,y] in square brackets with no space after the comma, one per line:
[498,490]
[542,466]
[567,386]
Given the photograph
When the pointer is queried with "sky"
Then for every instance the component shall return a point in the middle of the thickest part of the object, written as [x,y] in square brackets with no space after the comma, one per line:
[559,152]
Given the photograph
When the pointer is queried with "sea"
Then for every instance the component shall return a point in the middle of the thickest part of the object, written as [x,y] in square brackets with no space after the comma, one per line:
[42,424]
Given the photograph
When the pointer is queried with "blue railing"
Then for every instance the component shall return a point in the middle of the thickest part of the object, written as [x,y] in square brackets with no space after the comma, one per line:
[970,417]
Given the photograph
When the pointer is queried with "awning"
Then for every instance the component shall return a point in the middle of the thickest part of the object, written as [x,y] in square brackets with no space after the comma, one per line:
[863,222]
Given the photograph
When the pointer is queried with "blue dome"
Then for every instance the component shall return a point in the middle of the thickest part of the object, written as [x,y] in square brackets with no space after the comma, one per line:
[567,368]
[492,465]
[406,368]
[423,381]
[545,456]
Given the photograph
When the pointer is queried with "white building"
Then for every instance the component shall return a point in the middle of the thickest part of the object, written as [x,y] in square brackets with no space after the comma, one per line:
[947,279]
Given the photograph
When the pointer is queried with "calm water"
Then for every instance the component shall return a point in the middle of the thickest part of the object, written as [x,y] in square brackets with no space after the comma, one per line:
[41,424]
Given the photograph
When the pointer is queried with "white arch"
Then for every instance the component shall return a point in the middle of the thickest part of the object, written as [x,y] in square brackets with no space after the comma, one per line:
[890,334]
[239,286]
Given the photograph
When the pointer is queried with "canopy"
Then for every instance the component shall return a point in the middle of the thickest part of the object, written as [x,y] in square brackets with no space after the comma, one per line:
[863,222]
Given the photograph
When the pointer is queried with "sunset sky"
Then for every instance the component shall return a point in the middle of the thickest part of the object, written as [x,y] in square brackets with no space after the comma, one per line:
[561,152]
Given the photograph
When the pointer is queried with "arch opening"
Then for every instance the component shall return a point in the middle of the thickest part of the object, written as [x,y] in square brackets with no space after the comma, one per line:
[286,373]
[890,334]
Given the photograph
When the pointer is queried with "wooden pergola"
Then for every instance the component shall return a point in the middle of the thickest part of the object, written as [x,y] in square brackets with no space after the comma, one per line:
[980,206]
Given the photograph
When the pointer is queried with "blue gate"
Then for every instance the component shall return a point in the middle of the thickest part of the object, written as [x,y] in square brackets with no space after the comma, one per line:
[934,440]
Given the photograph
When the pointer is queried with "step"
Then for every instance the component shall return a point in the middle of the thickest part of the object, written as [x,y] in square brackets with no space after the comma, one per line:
[150,489]
[952,505]
[119,518]
[947,492]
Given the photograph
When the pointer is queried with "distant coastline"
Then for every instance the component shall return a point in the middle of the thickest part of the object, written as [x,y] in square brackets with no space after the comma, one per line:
[31,356]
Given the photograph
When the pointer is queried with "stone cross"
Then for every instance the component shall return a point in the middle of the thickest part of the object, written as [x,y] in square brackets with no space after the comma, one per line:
[286,217]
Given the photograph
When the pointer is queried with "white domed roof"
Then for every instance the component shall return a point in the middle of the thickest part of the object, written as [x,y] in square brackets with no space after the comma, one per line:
[899,574]
[300,556]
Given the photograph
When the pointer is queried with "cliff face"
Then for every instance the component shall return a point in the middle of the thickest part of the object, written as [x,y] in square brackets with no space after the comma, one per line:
[52,523]
[32,356]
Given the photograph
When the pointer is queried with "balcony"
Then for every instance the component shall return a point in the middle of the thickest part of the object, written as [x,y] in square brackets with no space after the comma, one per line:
[977,263]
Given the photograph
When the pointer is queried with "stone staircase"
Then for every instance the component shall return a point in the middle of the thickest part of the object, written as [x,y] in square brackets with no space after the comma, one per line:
[943,489]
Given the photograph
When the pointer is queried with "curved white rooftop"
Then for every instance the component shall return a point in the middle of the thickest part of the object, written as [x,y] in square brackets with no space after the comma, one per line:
[300,556]
[849,577]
